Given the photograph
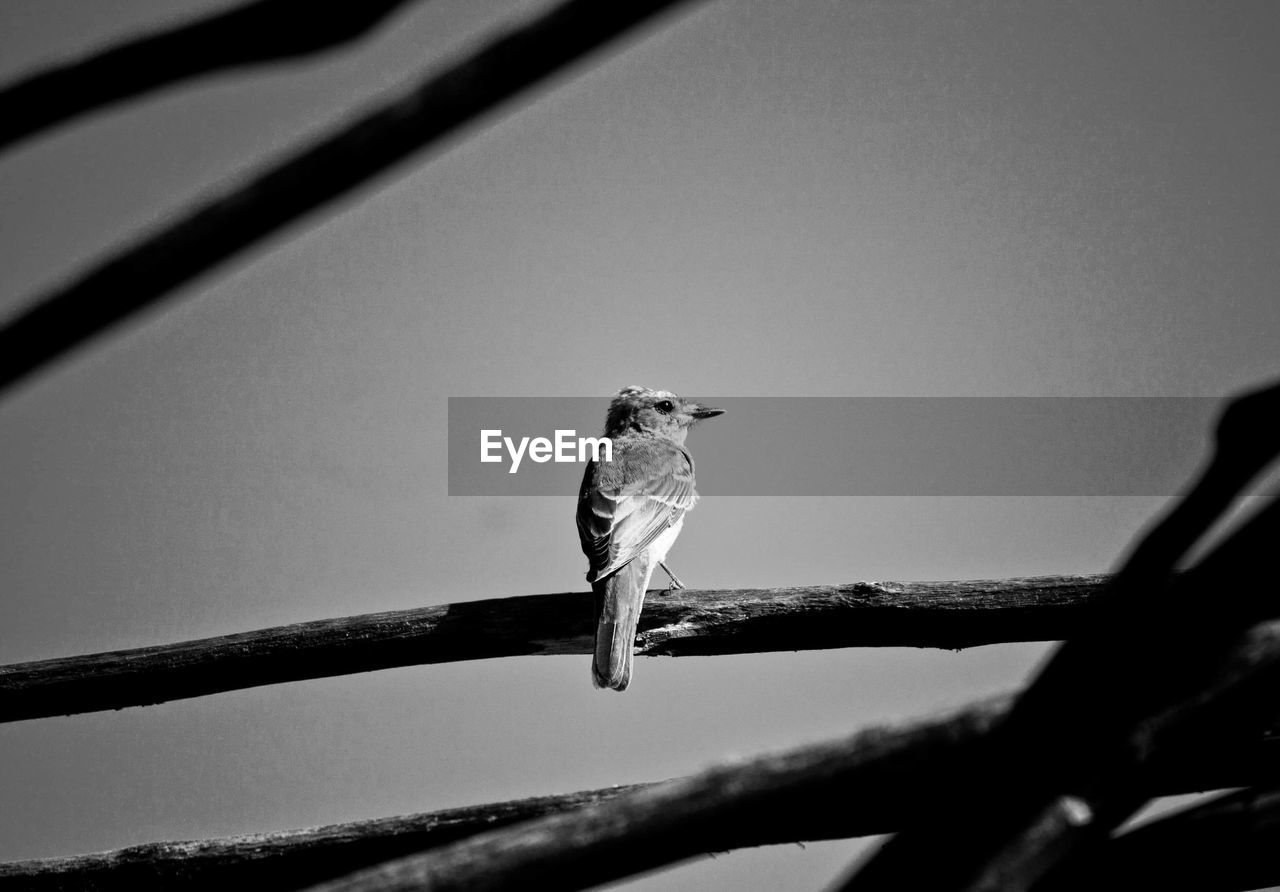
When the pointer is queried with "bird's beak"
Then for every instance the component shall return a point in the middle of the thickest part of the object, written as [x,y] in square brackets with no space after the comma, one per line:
[700,412]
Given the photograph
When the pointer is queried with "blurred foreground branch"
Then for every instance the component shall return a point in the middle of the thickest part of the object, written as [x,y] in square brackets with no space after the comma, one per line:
[138,276]
[262,31]
[681,623]
[1159,650]
[881,777]
[1229,842]
[822,784]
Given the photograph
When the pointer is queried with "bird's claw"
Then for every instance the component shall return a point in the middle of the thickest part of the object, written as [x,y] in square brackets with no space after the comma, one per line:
[675,583]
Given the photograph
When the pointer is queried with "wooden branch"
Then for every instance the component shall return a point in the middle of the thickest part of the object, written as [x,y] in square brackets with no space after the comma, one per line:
[263,31]
[902,774]
[296,858]
[217,228]
[911,771]
[288,860]
[1152,642]
[683,623]
[665,822]
[1228,843]
[292,859]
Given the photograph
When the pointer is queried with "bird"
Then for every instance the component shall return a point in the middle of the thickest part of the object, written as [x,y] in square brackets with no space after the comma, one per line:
[630,511]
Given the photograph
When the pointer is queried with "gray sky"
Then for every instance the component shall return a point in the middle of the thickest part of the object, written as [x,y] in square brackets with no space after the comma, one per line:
[760,199]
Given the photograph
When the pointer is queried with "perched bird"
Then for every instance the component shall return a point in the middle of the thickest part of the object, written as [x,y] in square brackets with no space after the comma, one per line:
[630,511]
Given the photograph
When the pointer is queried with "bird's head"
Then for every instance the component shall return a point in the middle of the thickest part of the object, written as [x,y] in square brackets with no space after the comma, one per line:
[655,412]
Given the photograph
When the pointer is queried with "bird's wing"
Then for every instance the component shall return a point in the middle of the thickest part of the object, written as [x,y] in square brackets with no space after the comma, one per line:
[624,505]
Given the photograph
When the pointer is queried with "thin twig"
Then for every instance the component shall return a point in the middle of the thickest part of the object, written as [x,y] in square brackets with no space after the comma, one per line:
[684,623]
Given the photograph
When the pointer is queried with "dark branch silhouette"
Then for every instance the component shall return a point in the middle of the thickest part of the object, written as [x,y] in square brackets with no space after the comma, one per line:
[263,31]
[681,623]
[138,276]
[823,784]
[898,772]
[1228,843]
[1152,638]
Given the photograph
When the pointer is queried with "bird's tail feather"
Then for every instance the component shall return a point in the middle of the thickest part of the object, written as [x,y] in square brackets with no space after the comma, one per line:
[618,599]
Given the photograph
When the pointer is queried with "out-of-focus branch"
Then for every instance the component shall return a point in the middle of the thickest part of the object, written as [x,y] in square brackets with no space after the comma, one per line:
[262,31]
[681,623]
[1228,843]
[138,276]
[1152,641]
[287,860]
[907,772]
[297,858]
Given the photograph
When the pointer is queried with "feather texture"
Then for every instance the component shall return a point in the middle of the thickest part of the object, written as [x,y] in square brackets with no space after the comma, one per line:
[630,511]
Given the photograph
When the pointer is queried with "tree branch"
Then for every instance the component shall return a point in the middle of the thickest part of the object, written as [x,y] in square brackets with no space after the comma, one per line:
[139,276]
[287,860]
[1152,642]
[263,31]
[900,767]
[821,784]
[682,623]
[1228,843]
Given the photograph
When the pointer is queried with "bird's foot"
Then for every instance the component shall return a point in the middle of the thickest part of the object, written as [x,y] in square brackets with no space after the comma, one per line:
[675,583]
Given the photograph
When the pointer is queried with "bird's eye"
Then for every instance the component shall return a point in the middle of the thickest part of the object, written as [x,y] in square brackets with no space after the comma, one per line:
[664,406]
